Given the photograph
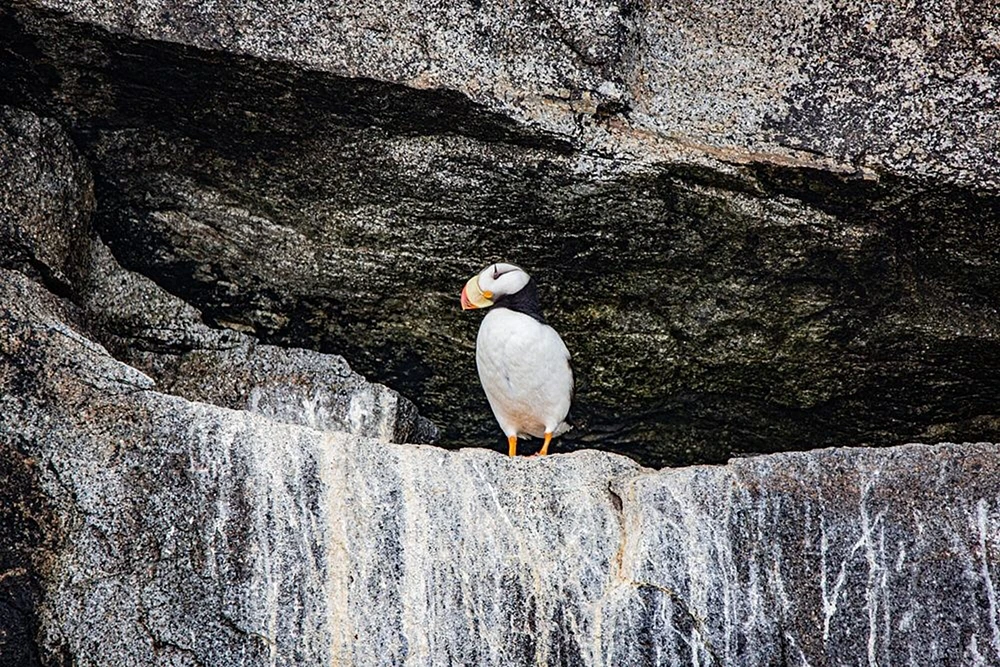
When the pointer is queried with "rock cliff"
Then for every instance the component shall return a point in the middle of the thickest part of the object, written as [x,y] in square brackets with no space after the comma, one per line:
[761,228]
[149,529]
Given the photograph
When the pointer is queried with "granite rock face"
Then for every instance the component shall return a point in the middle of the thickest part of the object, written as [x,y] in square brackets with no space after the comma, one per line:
[47,207]
[155,331]
[831,557]
[758,227]
[909,91]
[44,180]
[48,356]
[220,537]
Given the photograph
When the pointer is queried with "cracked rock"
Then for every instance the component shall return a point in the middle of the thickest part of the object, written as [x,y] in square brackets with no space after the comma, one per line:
[46,199]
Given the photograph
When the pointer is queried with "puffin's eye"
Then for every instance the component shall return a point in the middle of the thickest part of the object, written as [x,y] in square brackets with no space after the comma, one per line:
[496,272]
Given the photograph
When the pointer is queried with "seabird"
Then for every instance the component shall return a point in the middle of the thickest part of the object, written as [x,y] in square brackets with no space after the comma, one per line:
[523,363]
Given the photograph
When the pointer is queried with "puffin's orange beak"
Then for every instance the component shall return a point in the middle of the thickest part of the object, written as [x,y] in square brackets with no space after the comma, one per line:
[466,304]
[473,297]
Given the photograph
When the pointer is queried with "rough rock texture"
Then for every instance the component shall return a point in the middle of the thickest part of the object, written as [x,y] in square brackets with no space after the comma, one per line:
[760,227]
[909,89]
[44,181]
[165,337]
[46,200]
[45,233]
[218,537]
[838,557]
[47,207]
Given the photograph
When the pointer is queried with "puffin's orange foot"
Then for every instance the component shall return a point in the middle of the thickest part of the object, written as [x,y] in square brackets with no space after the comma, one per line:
[512,445]
[545,446]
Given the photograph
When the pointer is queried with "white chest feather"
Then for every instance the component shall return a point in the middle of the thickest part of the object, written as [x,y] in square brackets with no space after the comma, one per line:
[524,368]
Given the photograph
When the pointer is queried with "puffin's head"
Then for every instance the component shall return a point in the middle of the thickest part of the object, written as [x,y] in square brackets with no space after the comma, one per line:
[493,282]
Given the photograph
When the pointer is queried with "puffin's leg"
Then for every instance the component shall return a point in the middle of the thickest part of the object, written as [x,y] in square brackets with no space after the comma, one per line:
[545,446]
[512,445]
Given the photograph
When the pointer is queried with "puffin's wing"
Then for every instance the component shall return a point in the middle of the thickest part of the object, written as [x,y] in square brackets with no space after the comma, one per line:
[559,383]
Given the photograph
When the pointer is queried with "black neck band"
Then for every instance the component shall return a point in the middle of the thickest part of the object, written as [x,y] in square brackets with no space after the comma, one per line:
[525,300]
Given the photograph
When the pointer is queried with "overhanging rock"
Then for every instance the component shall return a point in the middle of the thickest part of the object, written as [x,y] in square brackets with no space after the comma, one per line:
[759,228]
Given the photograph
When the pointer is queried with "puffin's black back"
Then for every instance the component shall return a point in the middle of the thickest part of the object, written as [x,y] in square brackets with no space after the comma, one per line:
[525,300]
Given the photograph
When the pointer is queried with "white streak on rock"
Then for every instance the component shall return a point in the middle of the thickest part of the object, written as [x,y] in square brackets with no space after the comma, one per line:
[991,594]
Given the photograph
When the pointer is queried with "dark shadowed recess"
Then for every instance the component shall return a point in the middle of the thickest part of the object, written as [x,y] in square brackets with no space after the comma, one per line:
[709,314]
[24,525]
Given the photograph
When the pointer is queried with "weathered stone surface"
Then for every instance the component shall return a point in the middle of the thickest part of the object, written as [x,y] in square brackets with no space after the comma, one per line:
[46,199]
[910,91]
[46,207]
[155,331]
[301,172]
[219,537]
[753,239]
[835,557]
[27,532]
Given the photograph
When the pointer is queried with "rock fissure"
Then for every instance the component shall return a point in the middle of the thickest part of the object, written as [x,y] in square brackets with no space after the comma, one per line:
[161,645]
[267,641]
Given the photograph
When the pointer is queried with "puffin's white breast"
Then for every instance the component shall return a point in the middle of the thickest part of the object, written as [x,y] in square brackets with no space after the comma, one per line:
[524,367]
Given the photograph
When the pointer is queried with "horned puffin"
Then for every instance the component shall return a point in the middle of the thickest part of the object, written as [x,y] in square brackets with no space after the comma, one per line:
[523,363]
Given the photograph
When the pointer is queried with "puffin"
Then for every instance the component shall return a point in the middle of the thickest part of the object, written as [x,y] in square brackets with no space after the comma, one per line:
[523,364]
